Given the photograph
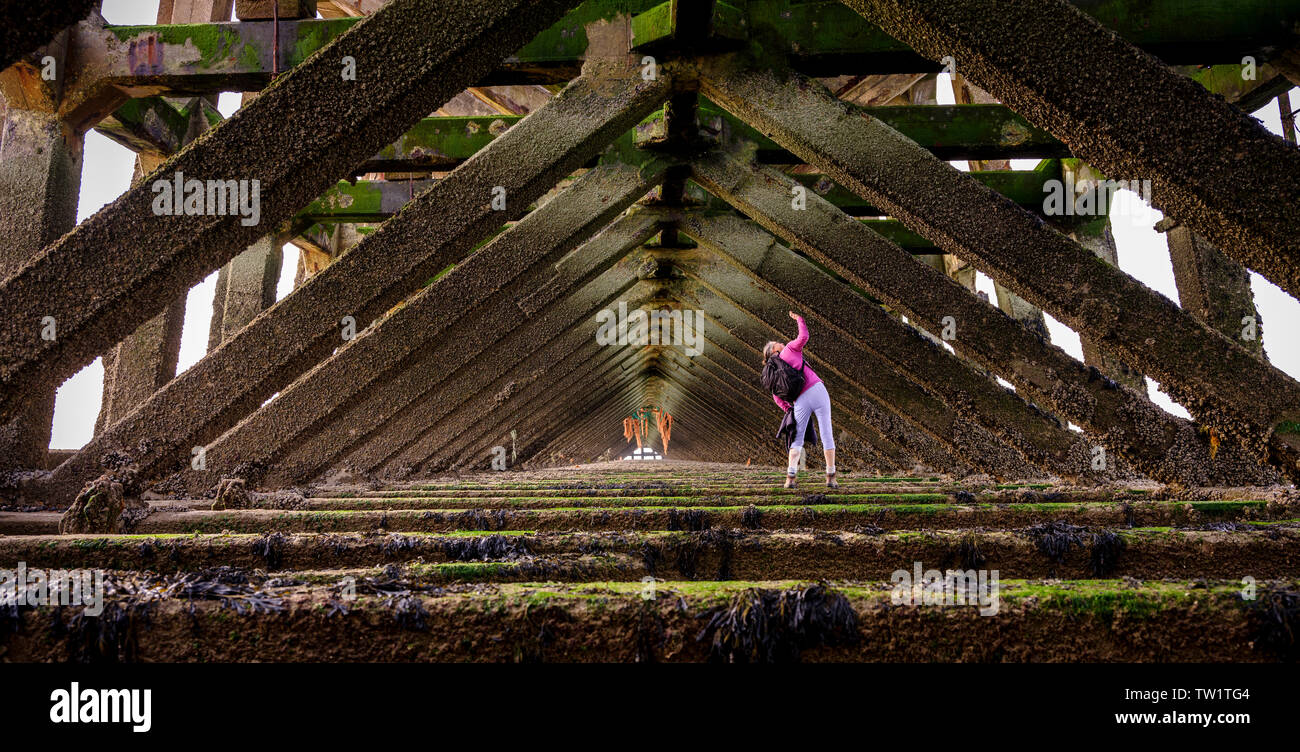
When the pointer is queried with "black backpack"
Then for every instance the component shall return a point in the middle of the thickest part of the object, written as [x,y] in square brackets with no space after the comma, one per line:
[782,379]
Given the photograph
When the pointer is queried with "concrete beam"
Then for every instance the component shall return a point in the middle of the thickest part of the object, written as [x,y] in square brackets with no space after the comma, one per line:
[143,260]
[1215,289]
[1212,166]
[40,173]
[377,200]
[1233,391]
[821,38]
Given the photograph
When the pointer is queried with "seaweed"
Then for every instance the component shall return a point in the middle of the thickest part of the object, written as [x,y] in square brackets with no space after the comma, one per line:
[484,547]
[1055,539]
[477,519]
[1103,557]
[967,553]
[270,548]
[768,626]
[408,611]
[1275,620]
[688,519]
[752,517]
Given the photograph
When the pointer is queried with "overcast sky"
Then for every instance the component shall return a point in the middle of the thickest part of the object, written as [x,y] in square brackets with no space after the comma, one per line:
[1142,253]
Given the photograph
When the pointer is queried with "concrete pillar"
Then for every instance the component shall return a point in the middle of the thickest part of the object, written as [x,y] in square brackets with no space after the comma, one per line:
[1097,237]
[1214,289]
[245,287]
[40,179]
[965,92]
[246,284]
[145,361]
[141,364]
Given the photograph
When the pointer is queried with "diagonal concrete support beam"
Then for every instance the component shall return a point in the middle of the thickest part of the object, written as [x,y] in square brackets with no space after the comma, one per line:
[1231,391]
[438,229]
[1211,165]
[144,260]
[1215,289]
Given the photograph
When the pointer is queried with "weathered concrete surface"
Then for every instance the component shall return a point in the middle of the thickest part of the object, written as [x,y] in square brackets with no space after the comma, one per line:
[1097,237]
[404,341]
[25,26]
[1215,289]
[1232,391]
[296,139]
[245,287]
[1211,165]
[40,177]
[253,10]
[141,364]
[438,229]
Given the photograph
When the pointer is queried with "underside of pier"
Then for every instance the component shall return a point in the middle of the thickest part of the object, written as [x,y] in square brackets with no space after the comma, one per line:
[538,237]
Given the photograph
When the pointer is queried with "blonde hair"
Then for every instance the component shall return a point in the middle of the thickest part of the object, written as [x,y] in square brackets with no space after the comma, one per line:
[769,349]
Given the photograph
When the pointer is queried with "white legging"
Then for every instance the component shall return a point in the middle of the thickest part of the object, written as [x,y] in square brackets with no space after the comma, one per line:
[815,400]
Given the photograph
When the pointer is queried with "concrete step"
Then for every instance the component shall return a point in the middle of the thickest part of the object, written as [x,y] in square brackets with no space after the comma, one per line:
[1261,550]
[234,617]
[771,517]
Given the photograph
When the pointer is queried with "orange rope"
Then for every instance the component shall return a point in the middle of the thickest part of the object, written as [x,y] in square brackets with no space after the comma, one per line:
[664,422]
[632,427]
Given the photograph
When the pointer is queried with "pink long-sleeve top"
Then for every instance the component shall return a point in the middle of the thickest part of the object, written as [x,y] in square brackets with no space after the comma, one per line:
[793,354]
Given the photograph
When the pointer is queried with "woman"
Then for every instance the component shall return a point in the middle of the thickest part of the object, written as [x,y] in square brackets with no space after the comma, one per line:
[812,400]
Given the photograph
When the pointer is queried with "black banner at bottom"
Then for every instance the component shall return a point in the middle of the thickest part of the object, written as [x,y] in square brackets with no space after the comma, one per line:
[176,702]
